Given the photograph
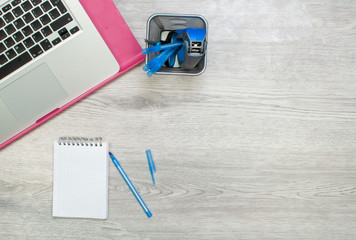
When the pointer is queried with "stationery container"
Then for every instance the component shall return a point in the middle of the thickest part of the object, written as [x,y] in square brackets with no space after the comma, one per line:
[159,23]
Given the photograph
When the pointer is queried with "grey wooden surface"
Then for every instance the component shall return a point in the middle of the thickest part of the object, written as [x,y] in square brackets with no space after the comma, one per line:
[261,146]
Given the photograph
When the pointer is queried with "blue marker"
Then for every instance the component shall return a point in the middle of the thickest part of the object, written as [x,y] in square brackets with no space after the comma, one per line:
[132,188]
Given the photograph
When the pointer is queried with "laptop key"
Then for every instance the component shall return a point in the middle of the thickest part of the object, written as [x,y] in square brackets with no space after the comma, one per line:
[45,19]
[46,6]
[18,36]
[28,17]
[2,47]
[26,6]
[36,51]
[2,23]
[28,42]
[17,12]
[6,8]
[19,23]
[8,17]
[15,64]
[9,42]
[27,31]
[37,36]
[63,33]
[66,35]
[19,48]
[15,2]
[10,54]
[74,30]
[37,12]
[2,34]
[36,2]
[60,22]
[36,25]
[3,59]
[46,31]
[59,4]
[54,14]
[10,29]
[56,41]
[45,44]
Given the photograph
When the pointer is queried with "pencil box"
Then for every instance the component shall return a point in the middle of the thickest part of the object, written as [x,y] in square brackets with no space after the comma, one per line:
[118,37]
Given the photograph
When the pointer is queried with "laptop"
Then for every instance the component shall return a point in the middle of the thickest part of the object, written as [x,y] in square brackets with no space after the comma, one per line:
[50,53]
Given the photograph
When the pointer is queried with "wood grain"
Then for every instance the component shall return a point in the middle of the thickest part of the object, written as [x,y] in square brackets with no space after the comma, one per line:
[261,146]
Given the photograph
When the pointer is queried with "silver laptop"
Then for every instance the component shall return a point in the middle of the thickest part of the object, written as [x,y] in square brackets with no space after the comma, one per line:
[50,53]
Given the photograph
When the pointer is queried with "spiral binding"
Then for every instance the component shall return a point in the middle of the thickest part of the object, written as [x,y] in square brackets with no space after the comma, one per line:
[80,141]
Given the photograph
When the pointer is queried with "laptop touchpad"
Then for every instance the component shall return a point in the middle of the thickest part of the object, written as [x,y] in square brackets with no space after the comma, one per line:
[33,95]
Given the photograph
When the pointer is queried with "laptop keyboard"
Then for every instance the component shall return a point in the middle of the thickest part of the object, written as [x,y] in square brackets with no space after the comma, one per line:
[29,28]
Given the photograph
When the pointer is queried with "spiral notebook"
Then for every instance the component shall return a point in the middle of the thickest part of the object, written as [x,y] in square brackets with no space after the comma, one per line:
[80,179]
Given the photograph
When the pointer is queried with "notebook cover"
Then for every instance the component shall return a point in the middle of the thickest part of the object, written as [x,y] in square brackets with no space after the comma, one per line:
[120,40]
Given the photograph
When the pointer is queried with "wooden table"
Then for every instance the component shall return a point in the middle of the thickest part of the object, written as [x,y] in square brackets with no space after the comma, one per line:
[260,146]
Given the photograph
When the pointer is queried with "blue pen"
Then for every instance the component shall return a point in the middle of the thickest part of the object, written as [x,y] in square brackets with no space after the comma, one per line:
[132,188]
[159,57]
[162,47]
[160,61]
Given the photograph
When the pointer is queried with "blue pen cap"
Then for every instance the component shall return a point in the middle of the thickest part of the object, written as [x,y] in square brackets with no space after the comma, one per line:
[151,165]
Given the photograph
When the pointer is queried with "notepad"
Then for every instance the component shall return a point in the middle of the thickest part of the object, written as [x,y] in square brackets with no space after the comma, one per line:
[80,181]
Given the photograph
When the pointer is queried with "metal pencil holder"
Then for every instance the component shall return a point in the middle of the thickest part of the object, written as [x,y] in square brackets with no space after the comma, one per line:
[160,23]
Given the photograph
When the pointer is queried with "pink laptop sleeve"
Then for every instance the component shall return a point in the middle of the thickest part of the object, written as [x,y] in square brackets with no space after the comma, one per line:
[120,40]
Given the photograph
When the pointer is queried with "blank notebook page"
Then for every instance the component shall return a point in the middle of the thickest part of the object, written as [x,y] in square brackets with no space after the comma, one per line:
[80,181]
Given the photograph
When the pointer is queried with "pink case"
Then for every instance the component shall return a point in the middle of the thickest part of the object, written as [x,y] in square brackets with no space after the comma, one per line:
[120,40]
